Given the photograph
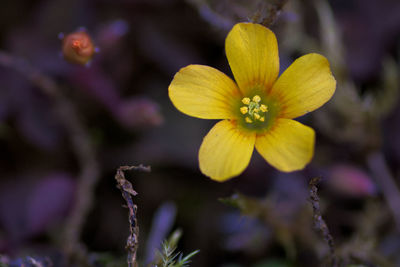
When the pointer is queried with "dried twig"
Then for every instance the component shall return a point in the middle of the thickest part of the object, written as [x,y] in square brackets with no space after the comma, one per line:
[319,222]
[80,141]
[127,192]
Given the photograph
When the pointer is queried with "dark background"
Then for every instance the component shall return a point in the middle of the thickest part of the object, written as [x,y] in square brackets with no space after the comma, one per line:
[121,100]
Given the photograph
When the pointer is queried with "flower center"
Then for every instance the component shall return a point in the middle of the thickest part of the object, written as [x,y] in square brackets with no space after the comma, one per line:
[253,110]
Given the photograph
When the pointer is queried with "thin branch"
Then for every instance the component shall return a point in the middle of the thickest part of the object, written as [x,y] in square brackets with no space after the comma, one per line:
[127,192]
[319,222]
[80,141]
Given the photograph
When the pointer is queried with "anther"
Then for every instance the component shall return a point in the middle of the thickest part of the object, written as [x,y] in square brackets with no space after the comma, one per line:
[244,110]
[248,120]
[246,100]
[256,98]
[263,108]
[253,108]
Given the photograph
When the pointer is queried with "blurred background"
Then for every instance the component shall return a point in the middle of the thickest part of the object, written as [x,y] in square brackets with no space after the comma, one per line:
[65,128]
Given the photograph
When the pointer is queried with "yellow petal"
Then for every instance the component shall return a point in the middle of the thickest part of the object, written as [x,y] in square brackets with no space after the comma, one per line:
[252,52]
[305,86]
[204,92]
[225,151]
[288,145]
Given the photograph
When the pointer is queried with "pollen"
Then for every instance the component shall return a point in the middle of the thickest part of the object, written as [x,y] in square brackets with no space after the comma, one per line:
[244,110]
[253,109]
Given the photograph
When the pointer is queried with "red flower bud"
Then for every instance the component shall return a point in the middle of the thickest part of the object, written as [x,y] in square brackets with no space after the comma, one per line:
[78,48]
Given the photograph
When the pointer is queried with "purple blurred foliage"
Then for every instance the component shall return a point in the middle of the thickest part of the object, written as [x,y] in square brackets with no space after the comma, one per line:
[391,247]
[38,50]
[110,35]
[169,53]
[33,116]
[212,17]
[156,146]
[138,113]
[351,181]
[244,233]
[49,201]
[369,29]
[6,97]
[114,56]
[4,259]
[289,191]
[29,207]
[95,83]
[13,199]
[31,262]
[391,140]
[38,124]
[135,112]
[163,220]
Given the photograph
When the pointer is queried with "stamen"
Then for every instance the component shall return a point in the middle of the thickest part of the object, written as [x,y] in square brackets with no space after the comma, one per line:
[256,98]
[248,120]
[246,100]
[254,109]
[244,110]
[263,108]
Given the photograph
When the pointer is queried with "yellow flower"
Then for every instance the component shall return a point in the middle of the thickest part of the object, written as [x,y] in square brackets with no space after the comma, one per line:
[258,110]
